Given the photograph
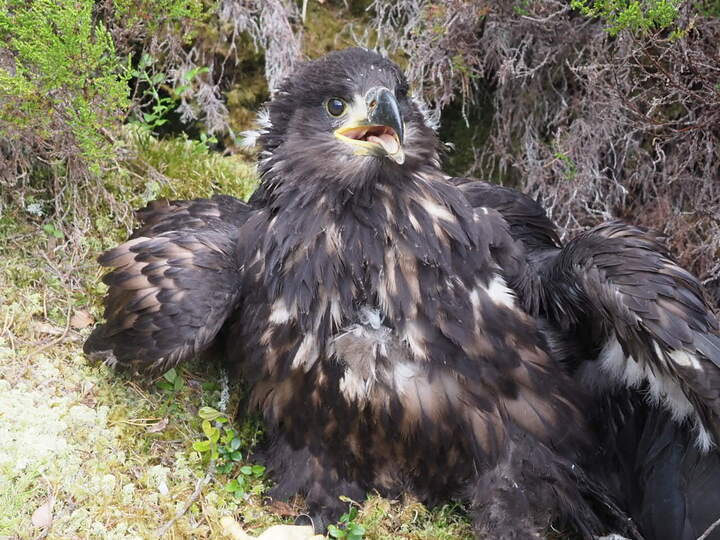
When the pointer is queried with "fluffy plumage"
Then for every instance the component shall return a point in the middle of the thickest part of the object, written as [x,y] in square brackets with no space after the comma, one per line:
[401,332]
[635,331]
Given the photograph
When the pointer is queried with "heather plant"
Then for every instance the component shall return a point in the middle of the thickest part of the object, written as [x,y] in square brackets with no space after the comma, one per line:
[148,17]
[634,15]
[61,86]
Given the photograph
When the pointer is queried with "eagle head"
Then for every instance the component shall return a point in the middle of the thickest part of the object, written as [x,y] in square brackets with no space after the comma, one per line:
[344,119]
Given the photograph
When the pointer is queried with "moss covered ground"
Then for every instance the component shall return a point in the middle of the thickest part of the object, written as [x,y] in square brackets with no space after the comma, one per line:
[88,453]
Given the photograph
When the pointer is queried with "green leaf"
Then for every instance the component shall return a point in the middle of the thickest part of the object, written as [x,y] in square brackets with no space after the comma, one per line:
[355,531]
[194,72]
[236,456]
[51,230]
[201,446]
[208,413]
[335,532]
[208,429]
[350,515]
[164,385]
[258,470]
[235,443]
[232,485]
[246,469]
[170,375]
[146,61]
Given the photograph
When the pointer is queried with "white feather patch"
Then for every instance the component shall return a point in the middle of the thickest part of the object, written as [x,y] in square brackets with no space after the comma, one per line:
[413,336]
[499,292]
[437,211]
[356,387]
[306,354]
[370,317]
[431,117]
[663,389]
[686,359]
[369,338]
[250,137]
[406,375]
[279,313]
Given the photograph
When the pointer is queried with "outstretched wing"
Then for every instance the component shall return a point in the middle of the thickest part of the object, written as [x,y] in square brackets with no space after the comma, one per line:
[221,211]
[172,285]
[661,331]
[644,316]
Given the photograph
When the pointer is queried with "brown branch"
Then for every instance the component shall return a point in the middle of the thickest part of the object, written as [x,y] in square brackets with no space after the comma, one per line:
[201,483]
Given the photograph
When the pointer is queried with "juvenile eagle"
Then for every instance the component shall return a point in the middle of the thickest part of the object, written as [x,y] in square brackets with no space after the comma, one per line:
[403,331]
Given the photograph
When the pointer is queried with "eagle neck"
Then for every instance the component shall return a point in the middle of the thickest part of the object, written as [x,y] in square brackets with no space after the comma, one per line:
[290,181]
[333,254]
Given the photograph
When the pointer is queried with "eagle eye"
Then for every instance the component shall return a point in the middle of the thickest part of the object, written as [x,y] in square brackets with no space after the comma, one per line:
[335,106]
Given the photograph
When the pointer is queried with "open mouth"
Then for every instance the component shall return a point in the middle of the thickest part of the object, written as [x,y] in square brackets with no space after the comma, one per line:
[383,136]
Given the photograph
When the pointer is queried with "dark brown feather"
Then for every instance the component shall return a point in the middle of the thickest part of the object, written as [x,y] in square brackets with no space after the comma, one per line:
[172,286]
[658,388]
[367,304]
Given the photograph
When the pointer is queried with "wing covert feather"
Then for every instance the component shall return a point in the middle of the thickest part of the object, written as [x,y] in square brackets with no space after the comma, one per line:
[655,325]
[656,311]
[172,284]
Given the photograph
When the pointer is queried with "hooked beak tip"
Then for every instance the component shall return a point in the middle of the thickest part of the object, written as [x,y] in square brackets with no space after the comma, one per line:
[383,109]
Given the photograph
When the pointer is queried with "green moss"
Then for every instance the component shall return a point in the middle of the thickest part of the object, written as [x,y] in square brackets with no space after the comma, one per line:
[708,8]
[325,26]
[388,520]
[18,498]
[187,169]
[152,14]
[249,91]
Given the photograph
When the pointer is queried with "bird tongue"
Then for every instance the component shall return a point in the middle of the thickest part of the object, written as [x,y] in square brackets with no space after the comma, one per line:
[387,141]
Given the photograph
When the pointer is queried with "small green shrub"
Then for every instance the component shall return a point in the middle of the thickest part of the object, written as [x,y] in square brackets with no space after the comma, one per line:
[640,16]
[225,445]
[347,528]
[155,104]
[243,484]
[61,83]
[707,8]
